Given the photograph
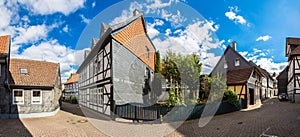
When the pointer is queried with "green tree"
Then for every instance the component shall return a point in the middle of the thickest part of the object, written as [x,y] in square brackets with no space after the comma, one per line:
[184,70]
[218,86]
[157,62]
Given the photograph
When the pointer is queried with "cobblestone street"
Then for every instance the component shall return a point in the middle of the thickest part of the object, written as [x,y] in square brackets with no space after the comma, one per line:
[273,118]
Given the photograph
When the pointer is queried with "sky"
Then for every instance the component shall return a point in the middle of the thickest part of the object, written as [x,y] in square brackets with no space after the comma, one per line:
[61,30]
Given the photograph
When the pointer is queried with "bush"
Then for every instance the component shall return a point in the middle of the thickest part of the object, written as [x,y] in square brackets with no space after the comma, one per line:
[73,100]
[231,97]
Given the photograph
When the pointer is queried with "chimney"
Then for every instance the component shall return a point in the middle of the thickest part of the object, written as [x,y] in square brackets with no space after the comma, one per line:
[86,53]
[136,12]
[234,45]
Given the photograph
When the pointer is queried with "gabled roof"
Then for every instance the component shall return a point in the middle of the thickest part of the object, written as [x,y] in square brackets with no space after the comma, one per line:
[261,71]
[106,34]
[4,44]
[239,76]
[39,73]
[296,51]
[223,55]
[74,78]
[292,41]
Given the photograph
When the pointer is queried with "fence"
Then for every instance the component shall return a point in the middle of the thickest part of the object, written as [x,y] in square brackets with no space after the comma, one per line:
[149,113]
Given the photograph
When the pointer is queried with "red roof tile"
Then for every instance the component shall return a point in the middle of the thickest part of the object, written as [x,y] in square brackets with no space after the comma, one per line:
[238,76]
[74,78]
[40,73]
[4,44]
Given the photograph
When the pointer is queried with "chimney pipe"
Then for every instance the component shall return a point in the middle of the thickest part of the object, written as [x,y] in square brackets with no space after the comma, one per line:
[234,45]
[136,12]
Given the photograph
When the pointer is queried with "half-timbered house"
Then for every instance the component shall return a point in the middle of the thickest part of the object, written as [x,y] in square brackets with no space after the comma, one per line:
[71,86]
[282,81]
[293,69]
[119,68]
[241,77]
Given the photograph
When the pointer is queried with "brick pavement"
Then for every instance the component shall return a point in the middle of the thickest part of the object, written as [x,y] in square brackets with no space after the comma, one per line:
[273,118]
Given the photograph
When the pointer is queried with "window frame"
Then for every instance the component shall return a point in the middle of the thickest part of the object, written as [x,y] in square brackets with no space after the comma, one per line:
[41,96]
[225,65]
[23,71]
[13,100]
[237,62]
[147,53]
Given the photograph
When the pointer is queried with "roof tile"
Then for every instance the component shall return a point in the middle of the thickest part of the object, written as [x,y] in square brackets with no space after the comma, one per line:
[74,78]
[40,73]
[238,76]
[4,44]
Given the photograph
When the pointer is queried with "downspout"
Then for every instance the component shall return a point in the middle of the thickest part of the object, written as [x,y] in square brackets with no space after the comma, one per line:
[8,86]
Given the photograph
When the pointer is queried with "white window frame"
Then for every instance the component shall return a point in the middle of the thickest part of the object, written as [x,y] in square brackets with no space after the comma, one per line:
[237,62]
[41,96]
[225,65]
[22,103]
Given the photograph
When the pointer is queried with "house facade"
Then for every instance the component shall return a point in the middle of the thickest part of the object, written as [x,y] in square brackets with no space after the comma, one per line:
[119,68]
[241,76]
[293,68]
[31,88]
[71,86]
[282,81]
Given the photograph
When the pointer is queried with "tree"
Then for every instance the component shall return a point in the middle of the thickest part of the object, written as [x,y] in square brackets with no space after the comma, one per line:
[184,70]
[157,62]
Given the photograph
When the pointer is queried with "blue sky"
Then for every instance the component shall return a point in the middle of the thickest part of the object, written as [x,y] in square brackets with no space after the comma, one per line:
[60,30]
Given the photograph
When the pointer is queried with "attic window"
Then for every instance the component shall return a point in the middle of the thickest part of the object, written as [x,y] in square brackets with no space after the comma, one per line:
[237,62]
[147,53]
[24,71]
[225,65]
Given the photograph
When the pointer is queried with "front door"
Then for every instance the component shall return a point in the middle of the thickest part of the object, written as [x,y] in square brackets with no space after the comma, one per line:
[251,93]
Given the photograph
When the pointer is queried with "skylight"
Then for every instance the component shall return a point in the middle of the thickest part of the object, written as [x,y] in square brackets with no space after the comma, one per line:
[23,71]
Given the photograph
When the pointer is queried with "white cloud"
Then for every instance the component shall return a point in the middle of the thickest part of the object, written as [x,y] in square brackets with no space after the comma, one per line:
[152,32]
[255,50]
[5,15]
[270,65]
[31,34]
[66,28]
[44,7]
[127,13]
[153,5]
[52,51]
[84,19]
[244,53]
[263,38]
[232,15]
[93,4]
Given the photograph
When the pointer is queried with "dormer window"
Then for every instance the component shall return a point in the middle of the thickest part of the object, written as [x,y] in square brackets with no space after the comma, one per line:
[24,71]
[147,53]
[225,65]
[237,62]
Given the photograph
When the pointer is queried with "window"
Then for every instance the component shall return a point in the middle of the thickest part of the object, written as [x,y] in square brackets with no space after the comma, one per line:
[225,65]
[237,62]
[254,74]
[36,97]
[18,96]
[23,71]
[147,53]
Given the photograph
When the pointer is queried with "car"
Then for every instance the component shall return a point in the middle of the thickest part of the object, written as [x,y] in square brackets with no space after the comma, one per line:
[283,96]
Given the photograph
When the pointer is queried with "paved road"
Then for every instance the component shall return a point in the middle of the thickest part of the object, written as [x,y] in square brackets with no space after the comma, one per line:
[274,118]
